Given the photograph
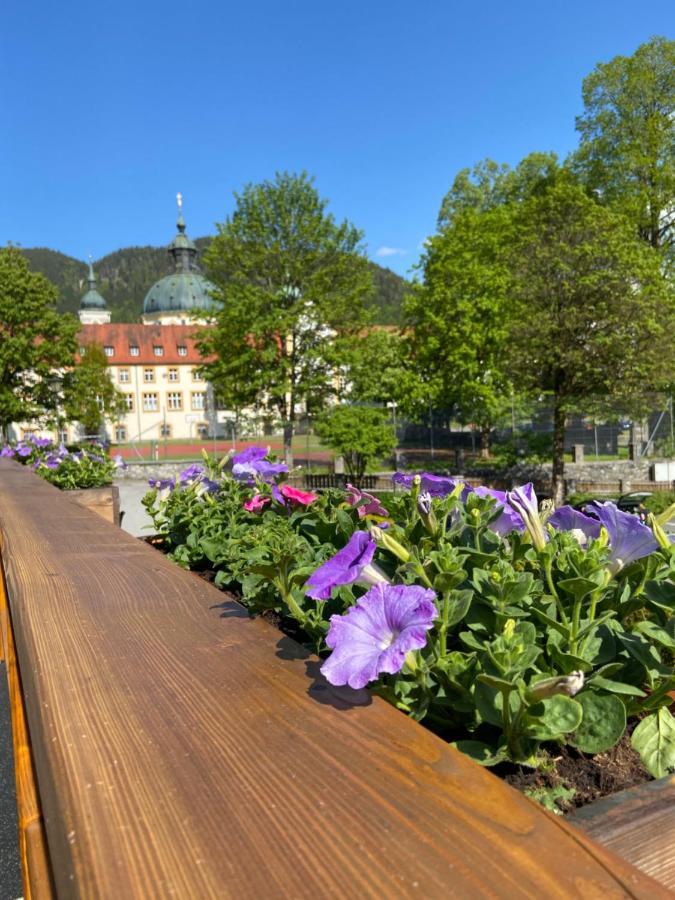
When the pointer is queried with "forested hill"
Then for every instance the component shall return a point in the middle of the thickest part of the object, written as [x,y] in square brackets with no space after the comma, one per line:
[125,277]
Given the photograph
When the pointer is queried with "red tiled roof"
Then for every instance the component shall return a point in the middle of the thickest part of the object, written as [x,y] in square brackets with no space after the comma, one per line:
[122,336]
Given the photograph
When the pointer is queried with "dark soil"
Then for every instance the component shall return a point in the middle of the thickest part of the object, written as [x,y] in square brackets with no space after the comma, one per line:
[589,777]
[569,780]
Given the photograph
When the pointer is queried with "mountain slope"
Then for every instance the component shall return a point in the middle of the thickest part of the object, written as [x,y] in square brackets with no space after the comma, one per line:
[125,277]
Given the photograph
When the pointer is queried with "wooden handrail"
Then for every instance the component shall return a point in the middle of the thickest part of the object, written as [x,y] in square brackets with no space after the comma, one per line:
[183,749]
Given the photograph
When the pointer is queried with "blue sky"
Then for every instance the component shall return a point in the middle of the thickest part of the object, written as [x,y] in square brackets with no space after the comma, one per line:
[109,109]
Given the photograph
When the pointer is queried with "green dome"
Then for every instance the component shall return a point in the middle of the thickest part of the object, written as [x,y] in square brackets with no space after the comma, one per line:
[92,299]
[186,289]
[180,292]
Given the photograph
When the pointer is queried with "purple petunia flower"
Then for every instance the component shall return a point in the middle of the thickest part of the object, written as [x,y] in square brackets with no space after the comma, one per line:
[119,462]
[62,452]
[523,501]
[436,485]
[192,472]
[41,443]
[162,484]
[566,518]
[374,636]
[352,563]
[207,486]
[251,464]
[509,520]
[7,451]
[629,539]
[23,450]
[51,461]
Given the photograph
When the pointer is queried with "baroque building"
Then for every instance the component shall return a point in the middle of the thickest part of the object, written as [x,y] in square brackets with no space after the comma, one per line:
[154,364]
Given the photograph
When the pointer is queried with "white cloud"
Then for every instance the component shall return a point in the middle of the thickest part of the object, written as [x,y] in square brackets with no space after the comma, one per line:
[390,251]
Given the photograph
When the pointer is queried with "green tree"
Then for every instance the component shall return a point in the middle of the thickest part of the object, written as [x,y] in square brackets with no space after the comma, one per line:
[490,185]
[290,281]
[35,342]
[593,315]
[89,395]
[460,318]
[627,130]
[359,434]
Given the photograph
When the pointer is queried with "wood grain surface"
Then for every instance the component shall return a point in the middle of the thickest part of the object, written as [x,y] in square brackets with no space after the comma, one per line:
[105,501]
[35,866]
[185,750]
[638,824]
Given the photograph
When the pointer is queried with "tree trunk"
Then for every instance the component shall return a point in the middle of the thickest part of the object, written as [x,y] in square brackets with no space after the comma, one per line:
[288,444]
[485,442]
[558,473]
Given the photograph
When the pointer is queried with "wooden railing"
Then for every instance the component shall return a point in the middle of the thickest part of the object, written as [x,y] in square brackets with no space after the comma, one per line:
[178,748]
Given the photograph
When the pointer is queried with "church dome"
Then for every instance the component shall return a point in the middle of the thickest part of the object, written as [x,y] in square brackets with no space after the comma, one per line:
[186,289]
[92,299]
[180,292]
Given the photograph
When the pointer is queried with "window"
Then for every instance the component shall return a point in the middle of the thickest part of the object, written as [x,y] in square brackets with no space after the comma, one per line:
[148,374]
[196,376]
[202,429]
[129,400]
[175,400]
[173,375]
[165,431]
[123,376]
[150,402]
[158,351]
[182,350]
[198,399]
[108,350]
[120,433]
[133,350]
[62,437]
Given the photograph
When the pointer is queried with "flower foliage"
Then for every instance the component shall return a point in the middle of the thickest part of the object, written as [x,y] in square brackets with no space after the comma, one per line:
[508,631]
[88,467]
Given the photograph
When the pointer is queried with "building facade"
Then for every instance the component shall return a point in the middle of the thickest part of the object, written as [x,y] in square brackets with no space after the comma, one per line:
[154,363]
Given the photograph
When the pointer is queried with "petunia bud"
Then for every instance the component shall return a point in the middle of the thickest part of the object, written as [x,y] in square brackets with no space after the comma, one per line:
[566,684]
[659,534]
[389,543]
[427,515]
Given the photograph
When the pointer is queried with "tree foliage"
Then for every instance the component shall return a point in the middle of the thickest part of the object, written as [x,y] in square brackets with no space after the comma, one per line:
[490,185]
[359,434]
[460,316]
[89,395]
[290,281]
[35,342]
[627,130]
[593,314]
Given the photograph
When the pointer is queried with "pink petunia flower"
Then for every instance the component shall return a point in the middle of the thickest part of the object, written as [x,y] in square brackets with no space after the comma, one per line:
[256,503]
[302,498]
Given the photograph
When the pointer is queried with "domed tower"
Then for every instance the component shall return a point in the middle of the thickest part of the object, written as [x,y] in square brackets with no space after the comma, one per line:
[183,297]
[93,310]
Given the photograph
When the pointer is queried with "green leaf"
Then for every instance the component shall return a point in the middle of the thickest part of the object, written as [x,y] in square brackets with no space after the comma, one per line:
[603,723]
[499,684]
[615,687]
[481,753]
[460,601]
[550,719]
[652,631]
[654,740]
[578,587]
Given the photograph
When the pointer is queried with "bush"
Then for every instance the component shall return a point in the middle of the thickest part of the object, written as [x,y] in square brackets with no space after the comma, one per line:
[359,434]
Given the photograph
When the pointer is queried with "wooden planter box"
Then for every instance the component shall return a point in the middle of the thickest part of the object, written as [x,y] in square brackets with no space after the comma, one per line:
[104,500]
[169,745]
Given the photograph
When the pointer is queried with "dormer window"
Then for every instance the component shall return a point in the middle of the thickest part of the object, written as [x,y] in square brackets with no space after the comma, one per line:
[158,351]
[108,350]
[133,350]
[182,350]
